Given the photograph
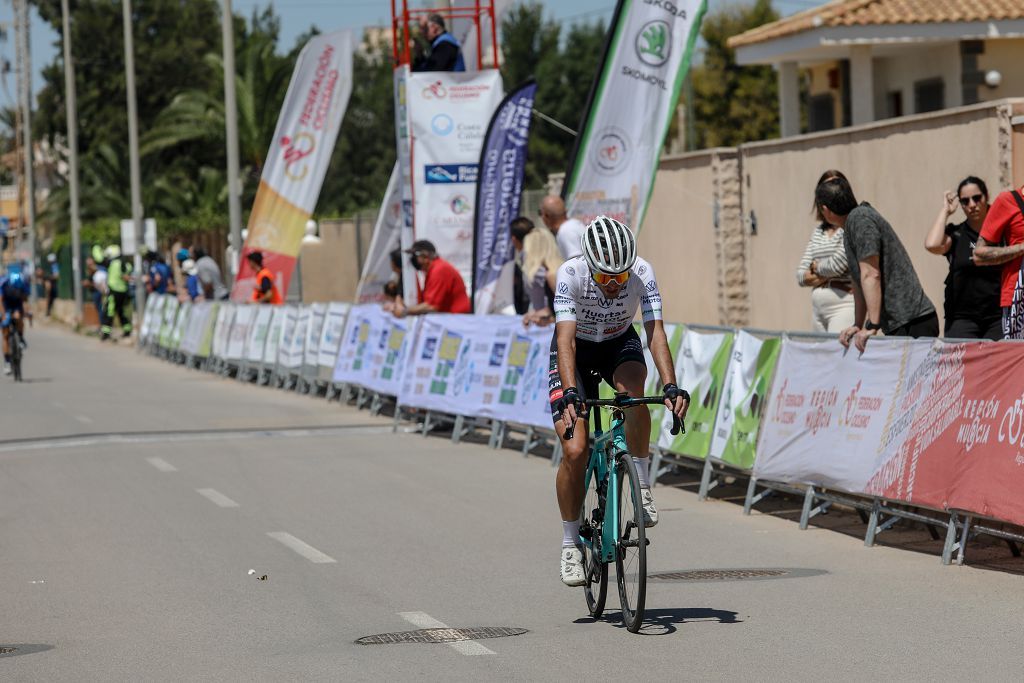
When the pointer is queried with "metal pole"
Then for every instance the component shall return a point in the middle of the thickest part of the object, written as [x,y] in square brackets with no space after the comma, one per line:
[231,125]
[26,114]
[72,116]
[133,151]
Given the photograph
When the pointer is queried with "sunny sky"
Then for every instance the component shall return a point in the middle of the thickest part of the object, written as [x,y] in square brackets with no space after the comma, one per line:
[298,15]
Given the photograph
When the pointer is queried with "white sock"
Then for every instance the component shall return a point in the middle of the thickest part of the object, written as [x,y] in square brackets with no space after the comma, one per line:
[570,533]
[643,468]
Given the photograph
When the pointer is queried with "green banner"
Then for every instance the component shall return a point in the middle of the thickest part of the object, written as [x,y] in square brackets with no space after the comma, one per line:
[740,448]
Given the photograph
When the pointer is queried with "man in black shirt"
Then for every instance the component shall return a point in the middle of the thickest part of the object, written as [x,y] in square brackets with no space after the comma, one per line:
[445,53]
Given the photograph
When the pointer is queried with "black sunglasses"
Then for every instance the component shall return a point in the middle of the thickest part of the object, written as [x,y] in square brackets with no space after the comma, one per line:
[964,201]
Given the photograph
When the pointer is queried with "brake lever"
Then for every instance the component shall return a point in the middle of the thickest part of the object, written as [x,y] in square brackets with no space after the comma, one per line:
[567,434]
[677,425]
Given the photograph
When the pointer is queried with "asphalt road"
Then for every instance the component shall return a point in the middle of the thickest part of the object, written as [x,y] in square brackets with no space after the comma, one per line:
[128,559]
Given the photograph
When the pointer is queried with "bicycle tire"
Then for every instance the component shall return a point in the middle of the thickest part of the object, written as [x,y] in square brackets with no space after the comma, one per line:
[631,546]
[591,524]
[15,343]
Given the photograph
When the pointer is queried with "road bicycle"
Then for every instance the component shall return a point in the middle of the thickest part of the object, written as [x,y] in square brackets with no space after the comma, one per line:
[615,533]
[15,344]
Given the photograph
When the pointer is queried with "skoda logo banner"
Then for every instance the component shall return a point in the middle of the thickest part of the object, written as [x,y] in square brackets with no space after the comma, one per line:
[653,44]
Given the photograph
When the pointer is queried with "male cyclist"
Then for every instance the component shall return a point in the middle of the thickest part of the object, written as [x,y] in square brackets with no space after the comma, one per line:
[14,291]
[596,297]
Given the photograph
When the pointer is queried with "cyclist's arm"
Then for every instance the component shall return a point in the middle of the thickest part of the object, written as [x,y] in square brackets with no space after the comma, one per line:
[657,342]
[565,338]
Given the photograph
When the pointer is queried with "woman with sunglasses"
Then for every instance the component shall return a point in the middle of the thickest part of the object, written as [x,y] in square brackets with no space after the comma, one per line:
[596,297]
[972,308]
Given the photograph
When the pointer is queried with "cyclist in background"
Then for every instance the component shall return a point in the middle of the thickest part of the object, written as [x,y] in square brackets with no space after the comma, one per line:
[597,296]
[14,291]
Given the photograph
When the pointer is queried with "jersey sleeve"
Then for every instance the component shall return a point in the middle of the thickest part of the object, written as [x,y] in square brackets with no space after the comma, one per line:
[650,298]
[566,293]
[1000,213]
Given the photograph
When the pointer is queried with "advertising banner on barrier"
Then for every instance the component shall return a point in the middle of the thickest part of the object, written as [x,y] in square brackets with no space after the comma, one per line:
[257,341]
[375,349]
[482,367]
[292,352]
[632,103]
[386,238]
[222,329]
[239,334]
[286,341]
[829,409]
[274,334]
[184,311]
[148,315]
[313,332]
[330,335]
[199,330]
[700,369]
[170,315]
[448,114]
[747,380]
[296,163]
[498,190]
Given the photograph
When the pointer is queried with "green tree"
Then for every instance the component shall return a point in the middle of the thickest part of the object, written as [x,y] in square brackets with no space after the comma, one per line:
[734,104]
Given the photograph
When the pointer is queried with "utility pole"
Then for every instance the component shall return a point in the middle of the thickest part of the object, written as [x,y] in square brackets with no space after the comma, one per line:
[72,117]
[133,152]
[231,125]
[21,8]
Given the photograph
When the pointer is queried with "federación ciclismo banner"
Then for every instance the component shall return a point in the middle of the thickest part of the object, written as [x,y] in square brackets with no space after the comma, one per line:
[498,191]
[298,157]
[441,119]
[647,57]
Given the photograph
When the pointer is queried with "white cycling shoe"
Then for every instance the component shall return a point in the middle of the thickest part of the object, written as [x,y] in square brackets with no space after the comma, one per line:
[7,368]
[572,567]
[650,511]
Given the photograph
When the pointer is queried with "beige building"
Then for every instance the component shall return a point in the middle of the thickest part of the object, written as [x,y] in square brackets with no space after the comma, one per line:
[860,61]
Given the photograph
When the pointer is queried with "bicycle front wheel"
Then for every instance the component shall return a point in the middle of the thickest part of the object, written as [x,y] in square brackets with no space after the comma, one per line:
[631,550]
[591,523]
[15,342]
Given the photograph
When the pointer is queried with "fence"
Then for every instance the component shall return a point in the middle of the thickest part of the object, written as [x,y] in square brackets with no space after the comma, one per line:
[928,430]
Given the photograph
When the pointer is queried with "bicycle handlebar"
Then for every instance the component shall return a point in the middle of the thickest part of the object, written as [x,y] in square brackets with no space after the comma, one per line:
[621,400]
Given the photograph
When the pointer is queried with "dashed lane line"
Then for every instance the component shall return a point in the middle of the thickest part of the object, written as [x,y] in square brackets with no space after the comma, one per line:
[424,620]
[161,464]
[301,547]
[217,498]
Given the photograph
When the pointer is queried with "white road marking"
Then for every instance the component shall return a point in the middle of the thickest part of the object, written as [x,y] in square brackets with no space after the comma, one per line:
[301,547]
[161,464]
[424,620]
[217,498]
[83,419]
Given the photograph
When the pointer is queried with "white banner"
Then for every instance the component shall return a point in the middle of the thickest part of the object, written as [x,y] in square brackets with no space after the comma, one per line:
[738,378]
[225,316]
[386,238]
[634,102]
[300,151]
[184,311]
[151,317]
[448,116]
[480,366]
[170,314]
[199,324]
[275,333]
[374,350]
[256,343]
[239,334]
[826,427]
[294,340]
[313,332]
[330,335]
[404,162]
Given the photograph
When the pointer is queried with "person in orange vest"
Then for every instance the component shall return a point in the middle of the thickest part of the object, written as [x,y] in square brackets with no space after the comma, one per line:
[265,291]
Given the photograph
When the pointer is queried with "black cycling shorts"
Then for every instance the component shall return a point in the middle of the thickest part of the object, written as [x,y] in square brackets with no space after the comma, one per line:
[594,361]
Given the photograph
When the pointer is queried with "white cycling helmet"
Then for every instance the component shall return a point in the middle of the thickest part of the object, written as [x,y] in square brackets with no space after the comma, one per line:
[608,246]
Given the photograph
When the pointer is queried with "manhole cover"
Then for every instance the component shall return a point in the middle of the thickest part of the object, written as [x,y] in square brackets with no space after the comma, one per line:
[7,650]
[441,635]
[718,574]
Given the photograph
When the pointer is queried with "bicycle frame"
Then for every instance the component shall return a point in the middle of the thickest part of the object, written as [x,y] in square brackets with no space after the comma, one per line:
[606,446]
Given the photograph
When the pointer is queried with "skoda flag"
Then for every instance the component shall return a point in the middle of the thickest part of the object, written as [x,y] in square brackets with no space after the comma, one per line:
[499,187]
[632,102]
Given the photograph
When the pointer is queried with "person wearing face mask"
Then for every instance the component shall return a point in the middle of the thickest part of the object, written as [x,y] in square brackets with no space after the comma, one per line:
[443,289]
[972,291]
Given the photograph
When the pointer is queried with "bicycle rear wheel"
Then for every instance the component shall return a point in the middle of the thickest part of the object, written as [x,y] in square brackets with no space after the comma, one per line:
[15,342]
[591,523]
[631,550]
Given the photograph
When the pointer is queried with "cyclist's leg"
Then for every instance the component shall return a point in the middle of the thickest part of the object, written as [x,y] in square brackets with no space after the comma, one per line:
[631,376]
[569,479]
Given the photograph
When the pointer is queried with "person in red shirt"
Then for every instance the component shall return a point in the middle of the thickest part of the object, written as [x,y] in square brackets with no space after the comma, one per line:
[443,288]
[1004,225]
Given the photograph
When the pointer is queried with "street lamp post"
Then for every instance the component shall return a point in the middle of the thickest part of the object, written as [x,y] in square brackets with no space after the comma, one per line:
[231,126]
[133,151]
[21,9]
[72,116]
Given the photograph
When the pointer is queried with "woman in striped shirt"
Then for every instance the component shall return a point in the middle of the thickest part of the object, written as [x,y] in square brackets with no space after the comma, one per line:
[825,270]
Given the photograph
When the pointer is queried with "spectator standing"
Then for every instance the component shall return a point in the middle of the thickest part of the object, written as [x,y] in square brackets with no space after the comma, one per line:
[1005,223]
[824,268]
[210,277]
[265,290]
[568,231]
[192,286]
[887,292]
[538,257]
[445,52]
[443,290]
[972,292]
[52,282]
[118,301]
[160,281]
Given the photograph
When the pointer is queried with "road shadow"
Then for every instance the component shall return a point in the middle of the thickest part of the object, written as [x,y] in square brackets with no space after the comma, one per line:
[37,380]
[663,622]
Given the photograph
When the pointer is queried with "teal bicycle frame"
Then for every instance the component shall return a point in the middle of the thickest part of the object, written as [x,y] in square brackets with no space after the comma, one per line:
[603,465]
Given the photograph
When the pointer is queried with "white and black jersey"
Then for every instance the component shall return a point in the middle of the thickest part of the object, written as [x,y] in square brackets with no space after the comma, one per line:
[598,318]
